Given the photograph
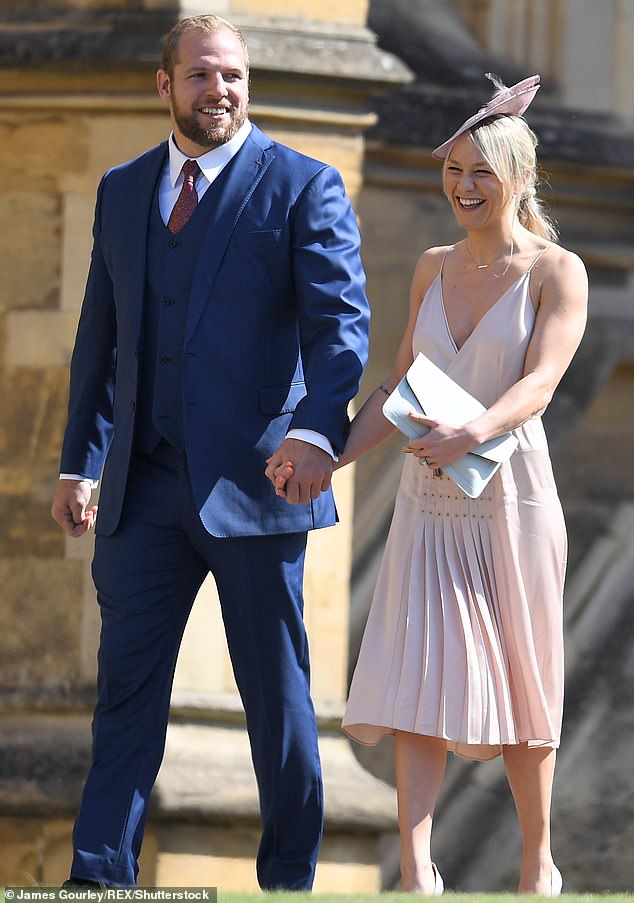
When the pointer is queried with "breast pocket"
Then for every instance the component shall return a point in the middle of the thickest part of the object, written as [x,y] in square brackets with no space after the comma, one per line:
[258,237]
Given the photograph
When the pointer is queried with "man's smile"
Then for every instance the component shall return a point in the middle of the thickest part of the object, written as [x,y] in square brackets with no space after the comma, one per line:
[214,111]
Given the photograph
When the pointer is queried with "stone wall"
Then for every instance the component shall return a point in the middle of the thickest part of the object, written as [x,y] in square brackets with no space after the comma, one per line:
[588,159]
[76,97]
[589,423]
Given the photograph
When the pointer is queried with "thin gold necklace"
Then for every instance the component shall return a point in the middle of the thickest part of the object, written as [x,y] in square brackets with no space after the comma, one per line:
[484,266]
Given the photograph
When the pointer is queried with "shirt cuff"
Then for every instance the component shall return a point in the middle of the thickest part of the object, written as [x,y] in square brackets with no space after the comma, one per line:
[77,476]
[314,439]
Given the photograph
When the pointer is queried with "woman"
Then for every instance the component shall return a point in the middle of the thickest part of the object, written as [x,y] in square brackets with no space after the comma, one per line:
[463,648]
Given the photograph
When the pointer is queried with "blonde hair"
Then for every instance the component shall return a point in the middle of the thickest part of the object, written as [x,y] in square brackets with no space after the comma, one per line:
[509,145]
[209,24]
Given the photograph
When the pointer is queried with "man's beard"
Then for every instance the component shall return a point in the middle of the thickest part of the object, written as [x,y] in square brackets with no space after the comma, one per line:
[212,136]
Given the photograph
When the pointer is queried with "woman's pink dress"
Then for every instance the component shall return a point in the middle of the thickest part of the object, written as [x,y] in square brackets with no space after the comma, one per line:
[464,638]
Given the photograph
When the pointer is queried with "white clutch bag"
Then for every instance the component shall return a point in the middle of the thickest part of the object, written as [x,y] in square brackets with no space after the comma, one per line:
[427,390]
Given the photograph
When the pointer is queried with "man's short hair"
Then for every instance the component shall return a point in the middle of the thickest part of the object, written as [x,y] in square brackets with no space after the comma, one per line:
[206,23]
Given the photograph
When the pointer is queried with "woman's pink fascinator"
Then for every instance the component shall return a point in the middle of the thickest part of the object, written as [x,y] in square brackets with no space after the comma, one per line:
[505,102]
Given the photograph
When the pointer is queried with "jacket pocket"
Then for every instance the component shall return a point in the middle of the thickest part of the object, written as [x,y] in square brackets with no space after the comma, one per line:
[258,237]
[276,400]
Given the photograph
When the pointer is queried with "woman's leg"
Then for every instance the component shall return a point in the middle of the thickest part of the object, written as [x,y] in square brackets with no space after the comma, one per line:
[420,765]
[530,772]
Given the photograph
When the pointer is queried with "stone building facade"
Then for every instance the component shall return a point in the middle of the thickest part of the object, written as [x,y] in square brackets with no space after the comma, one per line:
[584,119]
[76,96]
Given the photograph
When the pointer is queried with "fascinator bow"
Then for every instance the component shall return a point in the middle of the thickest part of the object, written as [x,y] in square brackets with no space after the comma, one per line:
[511,101]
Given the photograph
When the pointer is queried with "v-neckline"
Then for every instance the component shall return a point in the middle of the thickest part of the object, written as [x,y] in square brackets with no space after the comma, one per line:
[484,315]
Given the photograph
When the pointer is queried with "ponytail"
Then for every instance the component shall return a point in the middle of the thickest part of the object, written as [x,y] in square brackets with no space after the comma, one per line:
[532,216]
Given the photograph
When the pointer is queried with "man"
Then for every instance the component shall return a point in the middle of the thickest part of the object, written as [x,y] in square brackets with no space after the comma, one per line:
[224,324]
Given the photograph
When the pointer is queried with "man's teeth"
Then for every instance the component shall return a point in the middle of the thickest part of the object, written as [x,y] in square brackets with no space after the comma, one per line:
[213,111]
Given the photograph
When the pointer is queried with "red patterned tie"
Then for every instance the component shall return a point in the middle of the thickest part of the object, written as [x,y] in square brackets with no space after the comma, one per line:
[187,200]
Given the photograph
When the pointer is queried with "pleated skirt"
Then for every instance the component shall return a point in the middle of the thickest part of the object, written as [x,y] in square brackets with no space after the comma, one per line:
[464,637]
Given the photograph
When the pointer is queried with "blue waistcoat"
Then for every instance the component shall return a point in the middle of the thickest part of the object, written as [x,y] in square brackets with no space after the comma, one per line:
[171,261]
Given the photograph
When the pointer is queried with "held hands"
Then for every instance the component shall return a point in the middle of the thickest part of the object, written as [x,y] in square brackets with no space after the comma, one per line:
[282,474]
[442,445]
[299,471]
[70,509]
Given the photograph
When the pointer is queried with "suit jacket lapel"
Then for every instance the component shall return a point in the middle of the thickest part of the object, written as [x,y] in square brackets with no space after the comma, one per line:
[245,172]
[140,196]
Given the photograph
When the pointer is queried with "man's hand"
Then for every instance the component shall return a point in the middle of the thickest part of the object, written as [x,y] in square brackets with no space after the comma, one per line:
[70,509]
[311,471]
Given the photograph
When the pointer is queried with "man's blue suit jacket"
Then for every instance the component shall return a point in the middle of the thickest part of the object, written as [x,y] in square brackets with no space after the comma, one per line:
[276,336]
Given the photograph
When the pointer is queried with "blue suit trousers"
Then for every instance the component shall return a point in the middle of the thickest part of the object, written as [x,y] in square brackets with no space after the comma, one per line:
[147,575]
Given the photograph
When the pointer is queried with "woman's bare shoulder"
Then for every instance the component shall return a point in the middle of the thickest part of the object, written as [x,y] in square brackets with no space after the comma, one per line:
[557,266]
[429,262]
[427,268]
[435,254]
[561,281]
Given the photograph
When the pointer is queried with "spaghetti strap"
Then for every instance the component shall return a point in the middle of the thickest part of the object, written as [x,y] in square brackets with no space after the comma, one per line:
[444,257]
[536,258]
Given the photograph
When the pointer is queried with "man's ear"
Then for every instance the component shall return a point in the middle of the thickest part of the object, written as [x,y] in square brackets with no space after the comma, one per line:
[163,84]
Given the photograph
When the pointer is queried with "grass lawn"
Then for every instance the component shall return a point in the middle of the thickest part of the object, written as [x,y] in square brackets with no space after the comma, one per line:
[234,897]
[285,897]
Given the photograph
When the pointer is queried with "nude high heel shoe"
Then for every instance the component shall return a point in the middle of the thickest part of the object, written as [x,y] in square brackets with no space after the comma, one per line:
[556,882]
[438,889]
[439,885]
